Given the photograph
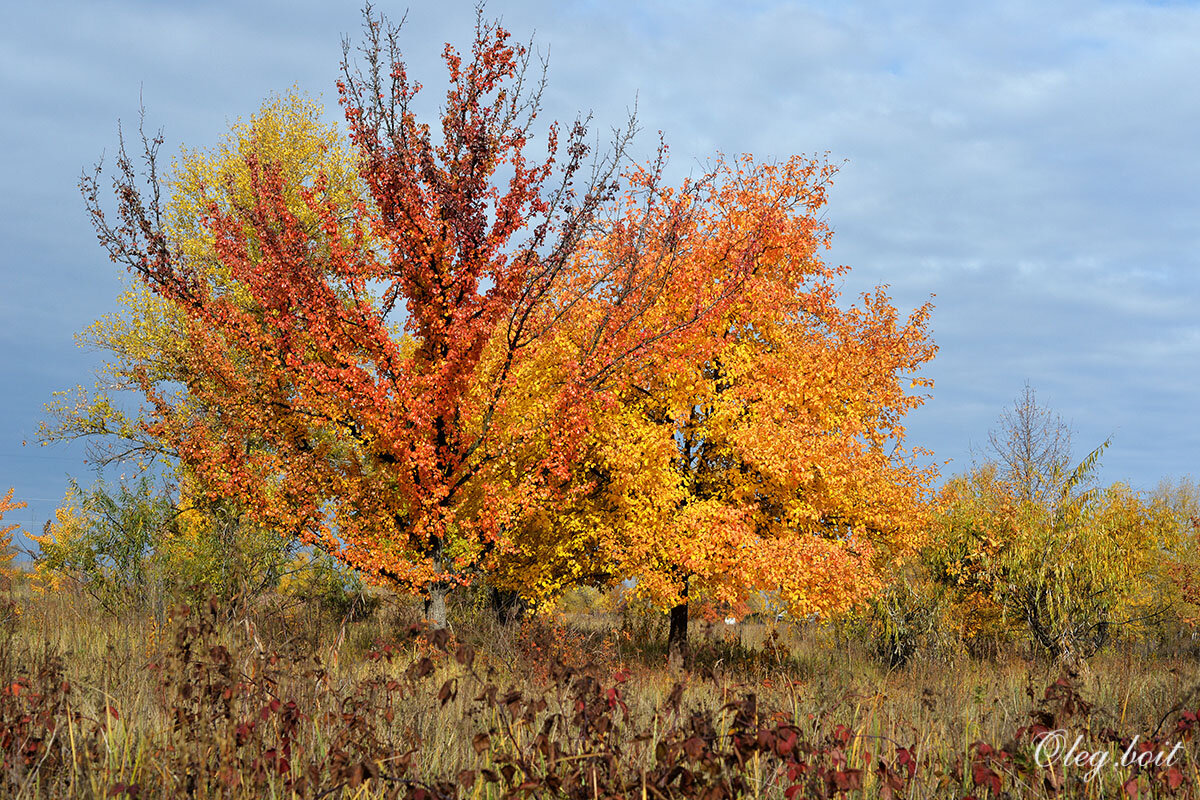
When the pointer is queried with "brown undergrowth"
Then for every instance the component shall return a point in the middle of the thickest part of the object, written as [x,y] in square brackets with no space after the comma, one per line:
[282,703]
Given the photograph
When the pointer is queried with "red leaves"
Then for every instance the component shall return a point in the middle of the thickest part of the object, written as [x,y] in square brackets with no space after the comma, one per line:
[986,762]
[847,780]
[613,697]
[785,743]
[360,772]
[1186,725]
[982,775]
[417,447]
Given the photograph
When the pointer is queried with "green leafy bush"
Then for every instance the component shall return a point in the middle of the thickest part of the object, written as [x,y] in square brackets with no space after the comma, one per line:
[136,544]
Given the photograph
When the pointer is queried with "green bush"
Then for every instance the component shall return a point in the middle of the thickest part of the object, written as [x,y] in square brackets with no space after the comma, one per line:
[104,541]
[907,617]
[135,544]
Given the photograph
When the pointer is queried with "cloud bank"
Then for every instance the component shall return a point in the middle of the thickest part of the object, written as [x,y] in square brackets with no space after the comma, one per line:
[1031,166]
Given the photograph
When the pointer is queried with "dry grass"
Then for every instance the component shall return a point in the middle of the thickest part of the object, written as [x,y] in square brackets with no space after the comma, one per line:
[287,702]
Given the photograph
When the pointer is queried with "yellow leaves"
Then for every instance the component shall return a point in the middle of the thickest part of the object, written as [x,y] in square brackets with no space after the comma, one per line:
[57,544]
[1068,565]
[7,553]
[680,397]
[68,523]
[146,332]
[286,134]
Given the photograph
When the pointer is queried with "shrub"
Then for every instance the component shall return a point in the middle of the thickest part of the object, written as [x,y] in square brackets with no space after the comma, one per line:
[315,578]
[1069,568]
[213,550]
[103,541]
[136,544]
[907,616]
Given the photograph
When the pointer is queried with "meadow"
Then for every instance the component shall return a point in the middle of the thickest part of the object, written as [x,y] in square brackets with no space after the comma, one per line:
[278,699]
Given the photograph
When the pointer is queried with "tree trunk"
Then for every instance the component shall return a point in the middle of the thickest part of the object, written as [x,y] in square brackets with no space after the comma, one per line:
[435,606]
[435,597]
[678,653]
[507,605]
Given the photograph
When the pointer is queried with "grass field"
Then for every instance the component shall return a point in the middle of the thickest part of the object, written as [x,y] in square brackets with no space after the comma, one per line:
[279,701]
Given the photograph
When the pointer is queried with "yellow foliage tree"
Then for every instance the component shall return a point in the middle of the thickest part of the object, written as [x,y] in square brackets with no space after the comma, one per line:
[1181,562]
[771,458]
[1069,568]
[7,551]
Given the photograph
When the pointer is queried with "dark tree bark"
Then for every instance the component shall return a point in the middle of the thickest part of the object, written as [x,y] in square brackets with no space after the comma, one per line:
[678,652]
[508,606]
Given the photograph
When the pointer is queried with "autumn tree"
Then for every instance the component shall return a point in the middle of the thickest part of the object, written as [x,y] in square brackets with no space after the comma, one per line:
[790,454]
[7,551]
[1071,567]
[368,382]
[769,459]
[145,343]
[1180,563]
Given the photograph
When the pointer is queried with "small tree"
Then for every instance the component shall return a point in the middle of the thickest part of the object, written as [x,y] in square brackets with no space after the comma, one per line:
[136,543]
[104,540]
[1180,565]
[7,550]
[1071,568]
[1032,447]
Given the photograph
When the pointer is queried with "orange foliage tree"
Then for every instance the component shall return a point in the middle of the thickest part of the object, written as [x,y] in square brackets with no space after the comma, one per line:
[770,458]
[402,387]
[790,468]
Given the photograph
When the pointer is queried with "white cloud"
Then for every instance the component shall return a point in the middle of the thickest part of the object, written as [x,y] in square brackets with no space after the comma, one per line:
[1031,164]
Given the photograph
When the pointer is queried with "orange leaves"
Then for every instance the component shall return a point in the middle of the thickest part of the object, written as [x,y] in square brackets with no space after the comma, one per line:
[462,357]
[673,264]
[780,411]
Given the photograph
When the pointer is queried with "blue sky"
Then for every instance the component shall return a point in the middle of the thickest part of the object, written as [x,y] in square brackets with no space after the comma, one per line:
[1031,165]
